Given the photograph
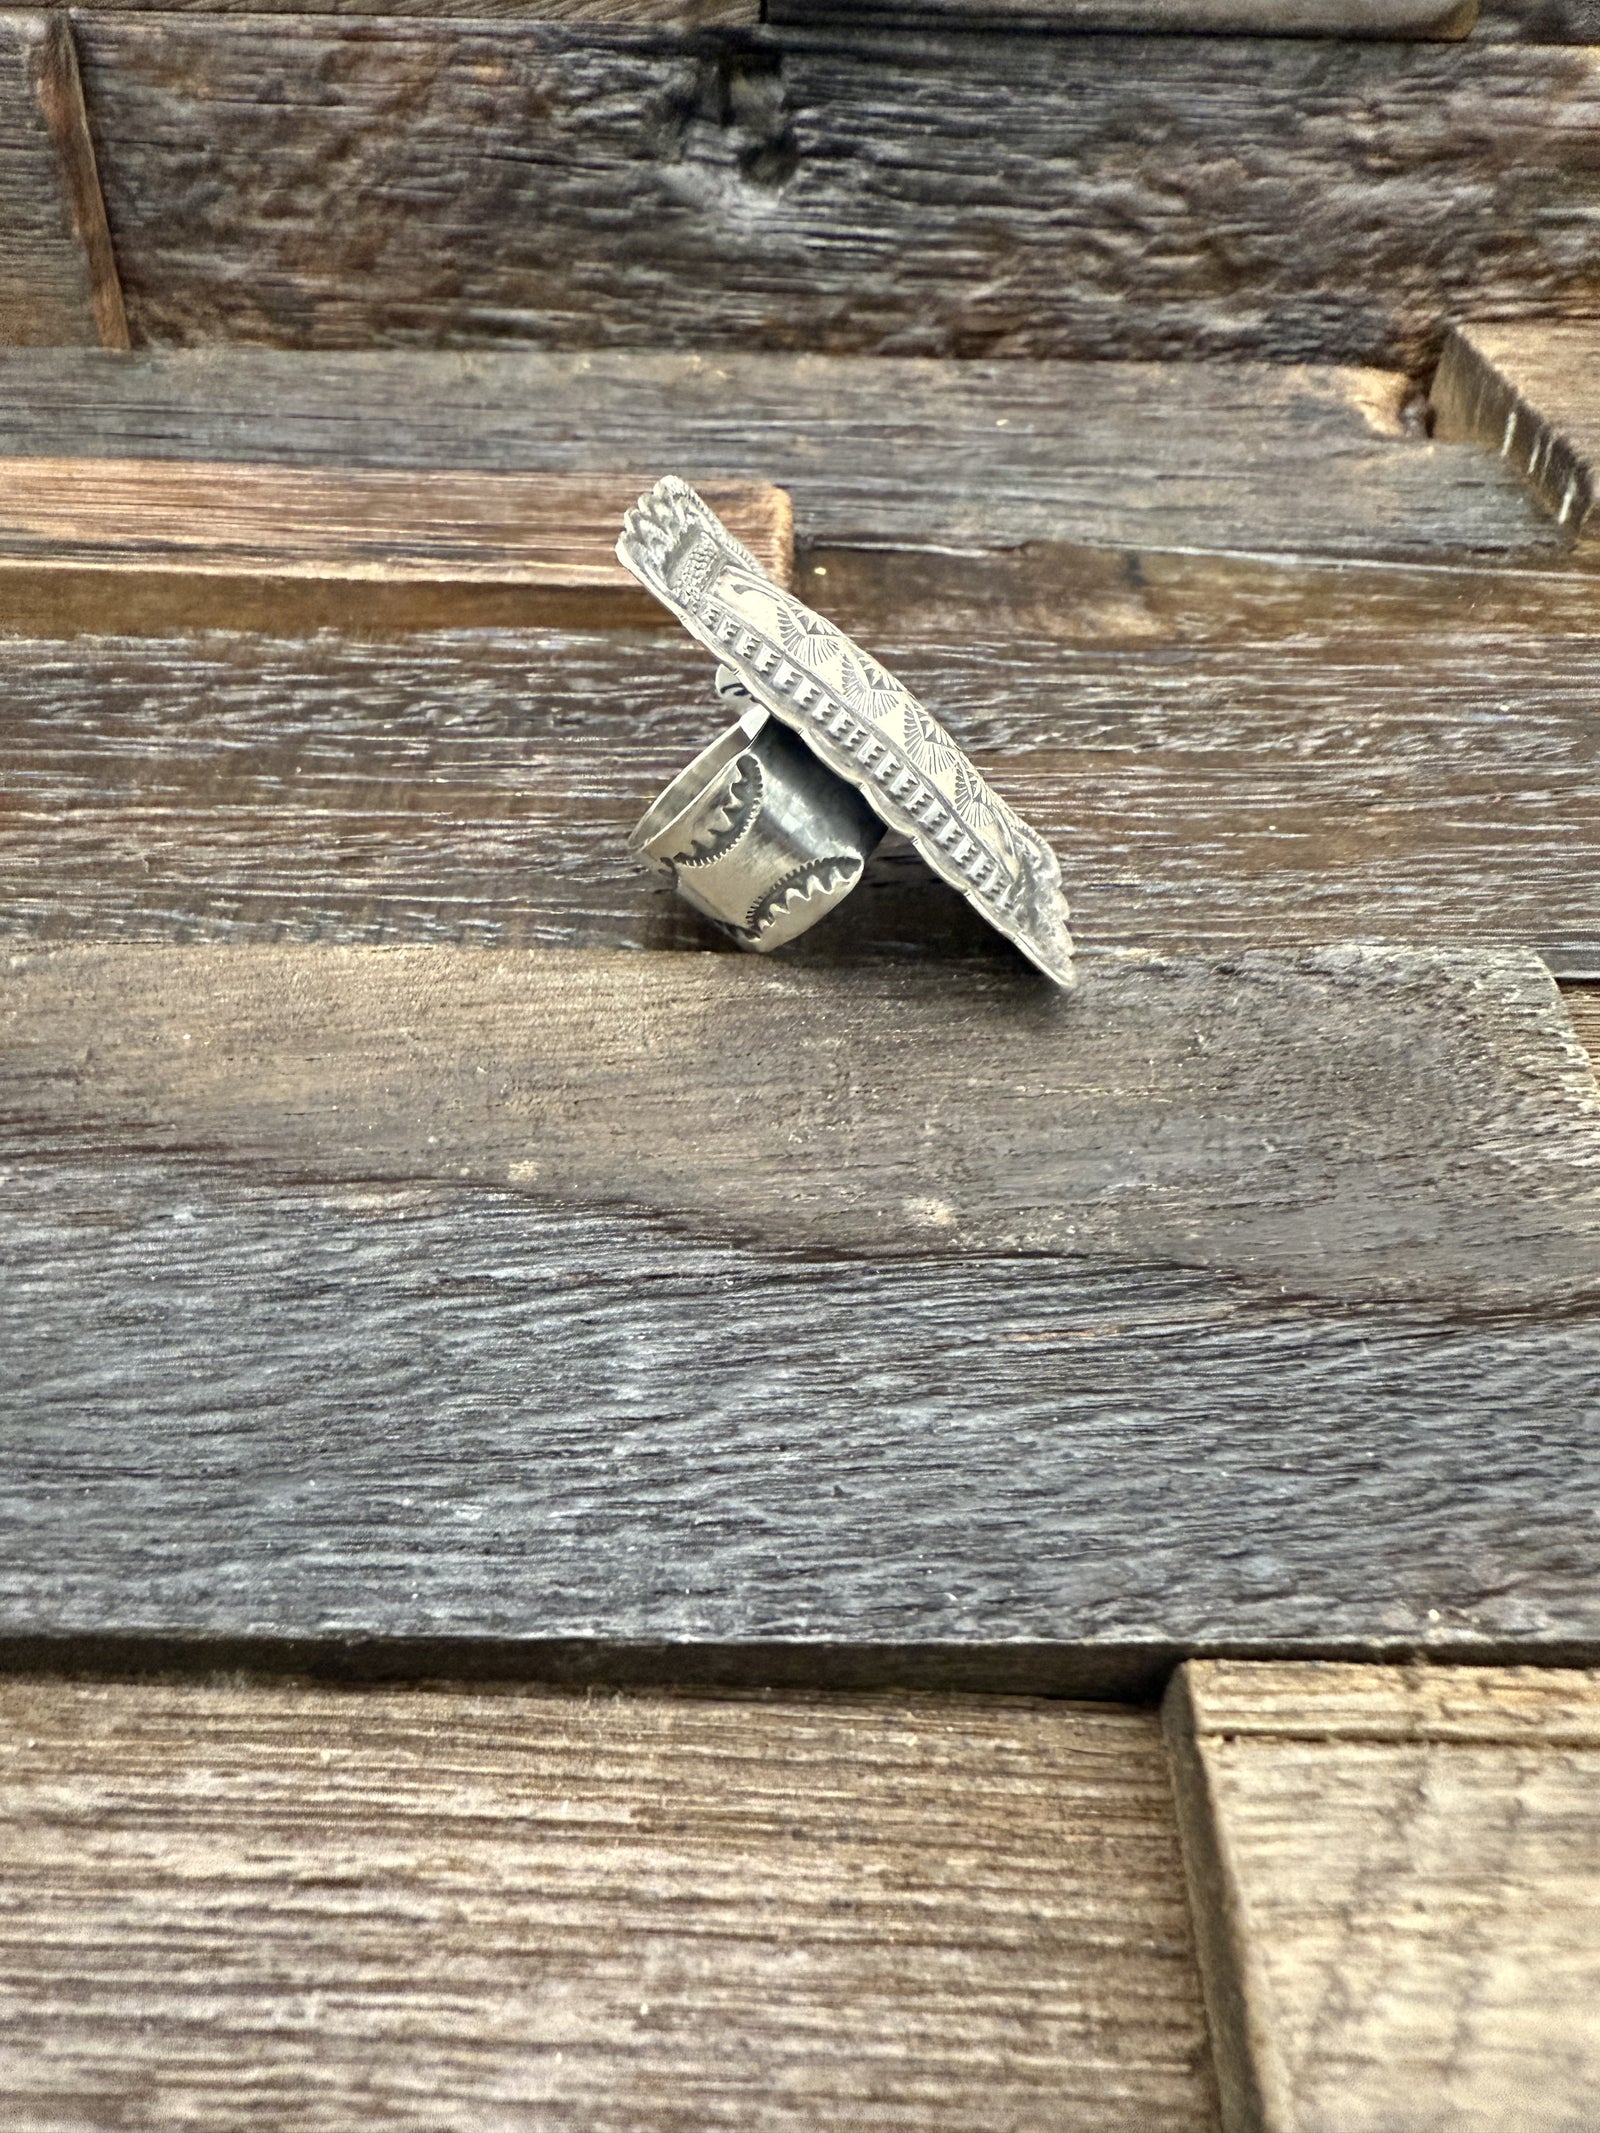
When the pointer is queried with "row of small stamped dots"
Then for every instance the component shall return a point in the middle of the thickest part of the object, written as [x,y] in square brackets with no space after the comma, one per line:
[983,872]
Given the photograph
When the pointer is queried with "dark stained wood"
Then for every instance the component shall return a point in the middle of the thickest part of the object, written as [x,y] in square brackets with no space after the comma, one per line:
[58,277]
[1245,18]
[111,538]
[1533,396]
[1227,755]
[1292,199]
[257,1906]
[876,451]
[1396,1873]
[697,1317]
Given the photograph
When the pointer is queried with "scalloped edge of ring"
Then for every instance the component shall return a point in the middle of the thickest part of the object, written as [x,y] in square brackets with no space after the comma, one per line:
[855,717]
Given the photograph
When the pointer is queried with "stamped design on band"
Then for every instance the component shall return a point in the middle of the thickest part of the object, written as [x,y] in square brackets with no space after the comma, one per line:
[859,720]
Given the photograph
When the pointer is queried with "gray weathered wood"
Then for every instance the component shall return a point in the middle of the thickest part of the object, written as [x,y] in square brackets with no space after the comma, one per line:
[1226,755]
[1293,199]
[691,1315]
[1397,1877]
[252,1907]
[874,450]
[58,276]
[1533,396]
[1245,18]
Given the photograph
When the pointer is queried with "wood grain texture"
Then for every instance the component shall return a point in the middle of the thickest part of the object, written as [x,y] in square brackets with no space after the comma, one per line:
[1403,1907]
[1238,18]
[289,1908]
[1167,1112]
[430,1311]
[1296,200]
[1226,755]
[875,451]
[199,518]
[1534,398]
[58,276]
[1541,21]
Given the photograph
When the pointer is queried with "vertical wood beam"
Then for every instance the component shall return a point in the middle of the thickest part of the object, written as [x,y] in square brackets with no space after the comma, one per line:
[58,272]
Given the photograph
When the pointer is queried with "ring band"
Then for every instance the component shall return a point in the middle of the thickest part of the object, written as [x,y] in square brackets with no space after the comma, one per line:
[757,834]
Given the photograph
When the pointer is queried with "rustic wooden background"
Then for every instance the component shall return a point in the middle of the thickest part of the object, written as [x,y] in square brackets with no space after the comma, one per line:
[594,1528]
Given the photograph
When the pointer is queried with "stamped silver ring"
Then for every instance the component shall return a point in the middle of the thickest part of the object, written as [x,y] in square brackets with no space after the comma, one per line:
[756,833]
[771,826]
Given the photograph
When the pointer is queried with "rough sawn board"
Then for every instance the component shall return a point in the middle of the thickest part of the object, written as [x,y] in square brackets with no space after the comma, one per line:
[1397,1880]
[873,1325]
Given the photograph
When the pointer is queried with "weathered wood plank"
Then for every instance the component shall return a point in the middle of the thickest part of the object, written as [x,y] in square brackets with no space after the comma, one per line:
[1121,1132]
[693,1317]
[843,193]
[1541,21]
[1232,18]
[1401,1894]
[252,1905]
[1227,756]
[875,450]
[905,452]
[135,535]
[1533,396]
[58,274]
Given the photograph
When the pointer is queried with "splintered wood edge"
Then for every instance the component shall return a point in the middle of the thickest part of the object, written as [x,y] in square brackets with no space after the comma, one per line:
[58,85]
[189,518]
[1251,2083]
[1331,1701]
[1531,394]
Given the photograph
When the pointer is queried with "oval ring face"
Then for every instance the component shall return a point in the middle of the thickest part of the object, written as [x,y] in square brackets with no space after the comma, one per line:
[862,723]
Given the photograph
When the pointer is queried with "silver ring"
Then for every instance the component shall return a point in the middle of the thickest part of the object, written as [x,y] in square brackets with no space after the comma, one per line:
[771,826]
[756,833]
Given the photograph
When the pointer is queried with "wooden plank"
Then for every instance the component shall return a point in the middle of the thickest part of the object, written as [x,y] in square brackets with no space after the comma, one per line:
[1227,755]
[606,14]
[1399,1872]
[58,274]
[1534,397]
[695,1317]
[241,1905]
[131,535]
[1541,21]
[1229,18]
[1583,1006]
[841,193]
[876,451]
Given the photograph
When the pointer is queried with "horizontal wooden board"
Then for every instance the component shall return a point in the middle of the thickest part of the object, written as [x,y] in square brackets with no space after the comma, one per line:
[690,1317]
[202,518]
[1549,1707]
[253,1906]
[58,280]
[1401,1919]
[1291,199]
[907,453]
[1241,18]
[1533,396]
[1226,756]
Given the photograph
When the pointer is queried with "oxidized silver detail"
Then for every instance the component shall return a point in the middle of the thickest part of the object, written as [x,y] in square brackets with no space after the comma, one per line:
[867,728]
[757,834]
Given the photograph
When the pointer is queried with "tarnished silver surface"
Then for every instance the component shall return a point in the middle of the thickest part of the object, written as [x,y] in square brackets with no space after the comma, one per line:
[756,833]
[861,723]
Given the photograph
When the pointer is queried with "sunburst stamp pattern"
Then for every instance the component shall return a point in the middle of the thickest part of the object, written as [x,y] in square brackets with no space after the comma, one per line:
[856,718]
